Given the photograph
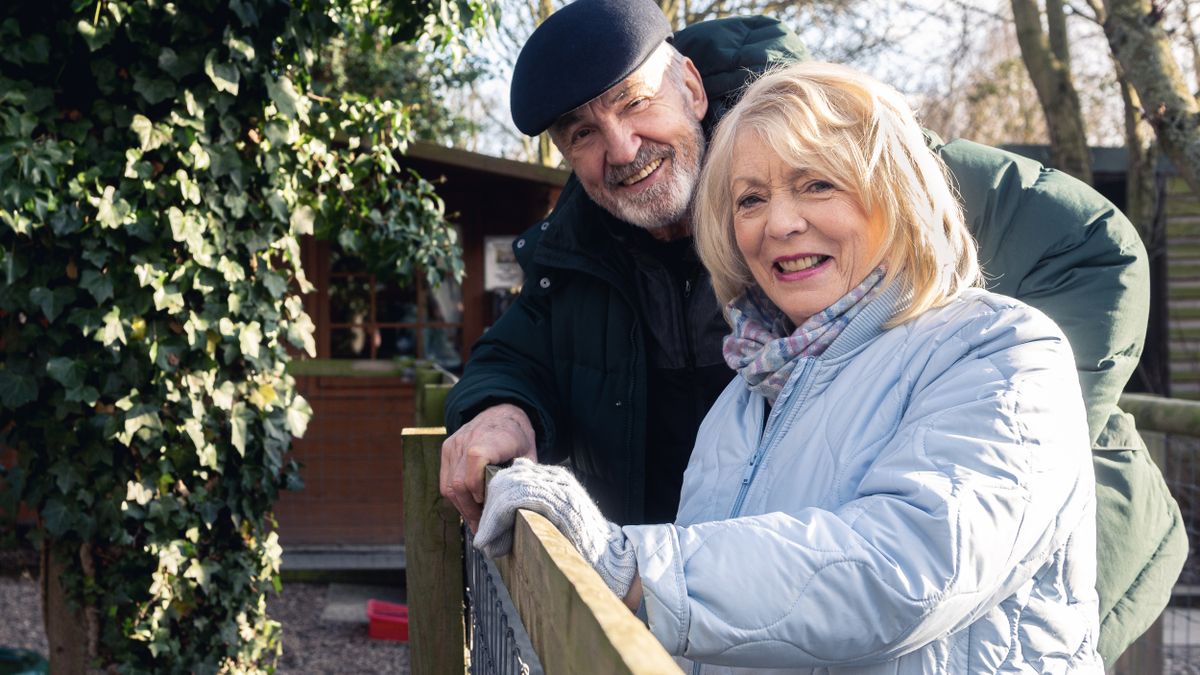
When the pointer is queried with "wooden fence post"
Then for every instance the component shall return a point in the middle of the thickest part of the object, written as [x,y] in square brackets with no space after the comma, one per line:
[434,565]
[432,404]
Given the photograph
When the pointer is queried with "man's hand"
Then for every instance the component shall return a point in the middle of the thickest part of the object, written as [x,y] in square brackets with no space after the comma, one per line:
[496,435]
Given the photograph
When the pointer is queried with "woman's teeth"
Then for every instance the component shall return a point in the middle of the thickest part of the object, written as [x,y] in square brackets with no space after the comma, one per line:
[646,171]
[798,264]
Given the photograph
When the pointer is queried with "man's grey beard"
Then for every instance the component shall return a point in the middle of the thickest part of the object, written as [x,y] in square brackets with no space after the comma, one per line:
[669,201]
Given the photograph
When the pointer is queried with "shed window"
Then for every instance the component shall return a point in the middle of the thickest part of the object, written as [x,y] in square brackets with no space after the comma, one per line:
[371,319]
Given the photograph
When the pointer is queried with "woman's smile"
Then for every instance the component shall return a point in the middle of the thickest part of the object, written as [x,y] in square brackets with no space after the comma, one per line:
[800,266]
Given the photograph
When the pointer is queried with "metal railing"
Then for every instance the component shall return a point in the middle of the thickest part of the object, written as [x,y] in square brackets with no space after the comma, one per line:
[499,643]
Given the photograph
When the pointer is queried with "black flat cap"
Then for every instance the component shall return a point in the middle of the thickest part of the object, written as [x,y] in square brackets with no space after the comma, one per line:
[580,52]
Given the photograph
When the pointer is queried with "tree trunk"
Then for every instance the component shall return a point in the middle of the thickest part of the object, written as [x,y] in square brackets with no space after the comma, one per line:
[1193,39]
[73,635]
[1135,33]
[545,149]
[673,11]
[1141,190]
[1047,58]
[1144,201]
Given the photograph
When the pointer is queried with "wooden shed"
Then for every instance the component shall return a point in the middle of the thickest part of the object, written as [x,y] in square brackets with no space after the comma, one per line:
[368,333]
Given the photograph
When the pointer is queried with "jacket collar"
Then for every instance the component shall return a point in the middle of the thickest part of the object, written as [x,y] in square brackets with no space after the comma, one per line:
[870,321]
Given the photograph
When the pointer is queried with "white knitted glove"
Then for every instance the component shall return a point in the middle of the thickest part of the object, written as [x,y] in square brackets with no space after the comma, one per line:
[553,492]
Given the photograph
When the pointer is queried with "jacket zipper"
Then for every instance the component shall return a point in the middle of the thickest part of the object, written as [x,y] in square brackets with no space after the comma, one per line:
[614,281]
[774,422]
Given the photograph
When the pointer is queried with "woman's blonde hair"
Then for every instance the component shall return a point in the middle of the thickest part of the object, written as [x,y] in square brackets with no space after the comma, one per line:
[859,134]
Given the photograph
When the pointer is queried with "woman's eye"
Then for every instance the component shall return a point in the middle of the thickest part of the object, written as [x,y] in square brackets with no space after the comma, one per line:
[635,103]
[819,186]
[748,201]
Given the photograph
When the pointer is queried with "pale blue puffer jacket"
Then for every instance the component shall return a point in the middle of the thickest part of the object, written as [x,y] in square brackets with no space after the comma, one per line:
[921,501]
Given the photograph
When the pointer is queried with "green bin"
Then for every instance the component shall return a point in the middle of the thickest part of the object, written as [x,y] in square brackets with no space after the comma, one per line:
[22,662]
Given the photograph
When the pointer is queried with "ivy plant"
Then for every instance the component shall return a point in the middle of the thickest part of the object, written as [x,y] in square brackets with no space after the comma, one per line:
[158,163]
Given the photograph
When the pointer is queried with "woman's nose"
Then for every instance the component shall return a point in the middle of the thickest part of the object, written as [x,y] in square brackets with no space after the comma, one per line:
[784,219]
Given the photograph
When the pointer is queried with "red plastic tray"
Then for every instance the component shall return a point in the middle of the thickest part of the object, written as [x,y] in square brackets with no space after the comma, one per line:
[388,620]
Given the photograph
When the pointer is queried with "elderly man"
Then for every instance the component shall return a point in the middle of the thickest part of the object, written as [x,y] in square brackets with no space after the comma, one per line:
[612,354]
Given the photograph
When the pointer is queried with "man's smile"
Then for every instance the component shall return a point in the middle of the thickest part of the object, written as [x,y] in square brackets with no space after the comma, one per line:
[641,175]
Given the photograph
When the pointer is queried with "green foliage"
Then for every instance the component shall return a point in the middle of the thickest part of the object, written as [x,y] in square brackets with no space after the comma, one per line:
[158,162]
[413,74]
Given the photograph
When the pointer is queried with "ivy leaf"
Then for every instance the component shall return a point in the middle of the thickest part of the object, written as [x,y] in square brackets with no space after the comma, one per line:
[66,477]
[302,220]
[298,415]
[195,431]
[53,302]
[65,221]
[16,390]
[113,330]
[96,36]
[237,425]
[55,517]
[276,283]
[86,395]
[240,47]
[97,283]
[111,211]
[153,89]
[167,298]
[223,395]
[300,334]
[224,76]
[67,371]
[188,189]
[250,340]
[201,573]
[142,417]
[175,66]
[290,103]
[245,12]
[149,137]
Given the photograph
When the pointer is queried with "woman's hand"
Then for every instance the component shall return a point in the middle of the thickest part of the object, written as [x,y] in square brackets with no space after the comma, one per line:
[554,493]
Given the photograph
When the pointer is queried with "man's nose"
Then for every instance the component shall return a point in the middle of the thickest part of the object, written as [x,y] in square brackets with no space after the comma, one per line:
[622,145]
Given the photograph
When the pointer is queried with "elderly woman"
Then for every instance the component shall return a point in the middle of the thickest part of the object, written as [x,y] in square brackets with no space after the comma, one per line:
[898,479]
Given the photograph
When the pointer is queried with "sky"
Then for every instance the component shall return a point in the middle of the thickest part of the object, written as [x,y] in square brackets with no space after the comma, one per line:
[929,50]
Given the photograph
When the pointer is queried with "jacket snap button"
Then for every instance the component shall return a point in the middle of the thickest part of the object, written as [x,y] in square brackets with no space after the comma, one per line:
[545,224]
[520,243]
[545,282]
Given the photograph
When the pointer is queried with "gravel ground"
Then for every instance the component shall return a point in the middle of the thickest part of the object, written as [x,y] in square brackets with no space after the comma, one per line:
[311,645]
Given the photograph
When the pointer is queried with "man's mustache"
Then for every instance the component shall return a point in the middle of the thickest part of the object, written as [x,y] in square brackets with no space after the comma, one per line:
[649,152]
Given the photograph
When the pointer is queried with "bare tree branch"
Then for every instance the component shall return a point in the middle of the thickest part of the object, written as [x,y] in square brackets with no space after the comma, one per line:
[1051,77]
[1134,30]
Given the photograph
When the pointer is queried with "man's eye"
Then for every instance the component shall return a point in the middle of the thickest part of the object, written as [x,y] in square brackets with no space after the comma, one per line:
[636,103]
[580,135]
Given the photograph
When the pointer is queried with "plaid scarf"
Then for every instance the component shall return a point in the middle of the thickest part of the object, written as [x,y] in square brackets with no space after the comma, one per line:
[760,348]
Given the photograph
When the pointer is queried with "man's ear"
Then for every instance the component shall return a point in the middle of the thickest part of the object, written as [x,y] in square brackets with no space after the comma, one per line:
[697,99]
